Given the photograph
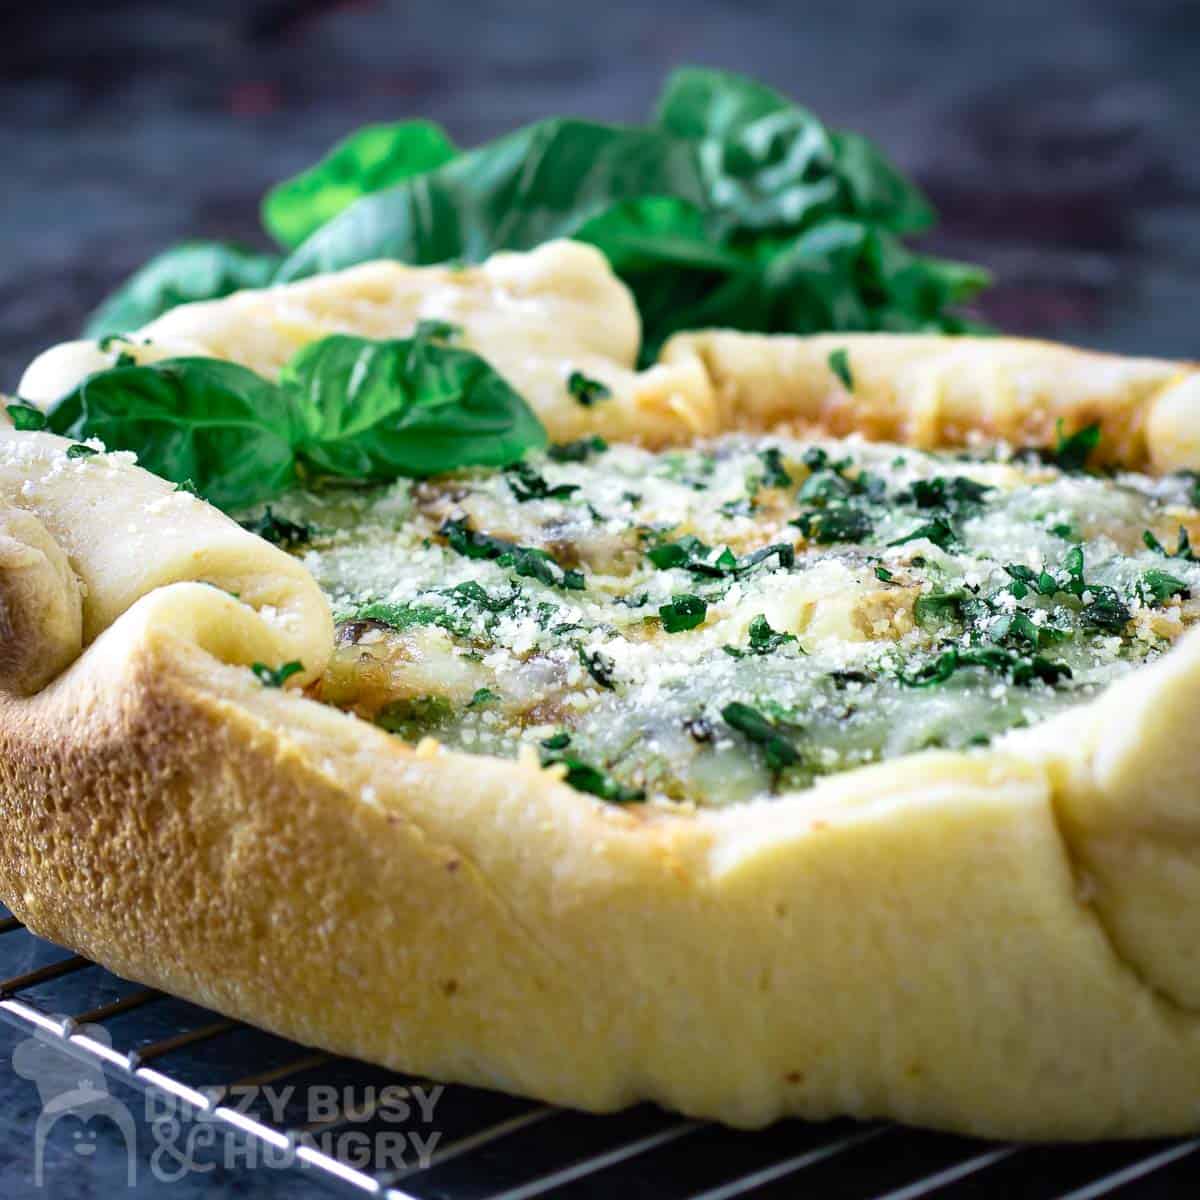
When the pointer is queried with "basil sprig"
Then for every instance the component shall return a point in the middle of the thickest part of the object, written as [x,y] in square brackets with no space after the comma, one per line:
[344,406]
[731,206]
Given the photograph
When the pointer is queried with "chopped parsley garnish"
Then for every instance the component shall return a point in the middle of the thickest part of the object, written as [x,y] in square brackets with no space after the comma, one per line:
[840,500]
[526,561]
[414,716]
[1020,671]
[25,417]
[683,612]
[586,390]
[577,451]
[956,494]
[437,331]
[79,450]
[482,696]
[278,530]
[777,747]
[1105,610]
[600,667]
[884,575]
[838,523]
[275,677]
[1183,546]
[939,605]
[584,777]
[1072,451]
[1157,587]
[763,639]
[939,532]
[839,364]
[694,555]
[774,472]
[527,484]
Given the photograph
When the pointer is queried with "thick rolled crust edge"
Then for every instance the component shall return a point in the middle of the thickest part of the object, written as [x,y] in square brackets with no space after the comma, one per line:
[908,940]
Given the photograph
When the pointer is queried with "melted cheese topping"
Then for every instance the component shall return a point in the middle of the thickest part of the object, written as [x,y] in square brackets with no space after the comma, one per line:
[712,624]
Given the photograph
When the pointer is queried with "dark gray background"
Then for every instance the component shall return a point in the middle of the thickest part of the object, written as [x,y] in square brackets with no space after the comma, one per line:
[1059,138]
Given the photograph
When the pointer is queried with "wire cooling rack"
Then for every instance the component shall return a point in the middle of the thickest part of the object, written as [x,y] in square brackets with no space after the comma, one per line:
[478,1145]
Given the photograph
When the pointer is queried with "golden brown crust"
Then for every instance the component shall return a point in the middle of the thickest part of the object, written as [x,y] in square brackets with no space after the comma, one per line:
[1000,943]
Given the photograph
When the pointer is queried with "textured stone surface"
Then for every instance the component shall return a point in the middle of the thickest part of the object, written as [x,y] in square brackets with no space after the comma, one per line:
[1058,139]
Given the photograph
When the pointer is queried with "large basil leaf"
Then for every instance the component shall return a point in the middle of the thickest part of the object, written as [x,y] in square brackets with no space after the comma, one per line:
[542,182]
[369,160]
[344,406]
[191,271]
[699,102]
[767,162]
[213,423]
[774,163]
[375,410]
[876,190]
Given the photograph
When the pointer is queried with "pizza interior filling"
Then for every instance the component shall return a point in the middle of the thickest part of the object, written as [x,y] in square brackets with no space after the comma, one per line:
[733,620]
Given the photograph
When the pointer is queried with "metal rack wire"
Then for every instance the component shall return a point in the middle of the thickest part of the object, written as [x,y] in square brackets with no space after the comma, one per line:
[492,1147]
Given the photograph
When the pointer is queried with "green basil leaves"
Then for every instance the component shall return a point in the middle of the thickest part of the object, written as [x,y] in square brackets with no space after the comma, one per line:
[216,423]
[377,410]
[344,406]
[731,206]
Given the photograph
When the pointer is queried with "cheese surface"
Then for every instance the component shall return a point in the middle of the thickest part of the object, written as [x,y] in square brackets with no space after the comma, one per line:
[711,625]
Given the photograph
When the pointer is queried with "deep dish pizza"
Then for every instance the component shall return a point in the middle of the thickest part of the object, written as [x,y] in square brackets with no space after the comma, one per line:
[794,726]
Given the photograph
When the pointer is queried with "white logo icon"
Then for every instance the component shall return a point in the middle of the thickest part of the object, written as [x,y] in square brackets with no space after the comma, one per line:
[70,1085]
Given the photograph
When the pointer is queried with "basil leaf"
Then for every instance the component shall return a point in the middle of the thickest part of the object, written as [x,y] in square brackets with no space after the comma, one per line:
[541,182]
[376,410]
[191,271]
[201,419]
[344,406]
[369,160]
[876,190]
